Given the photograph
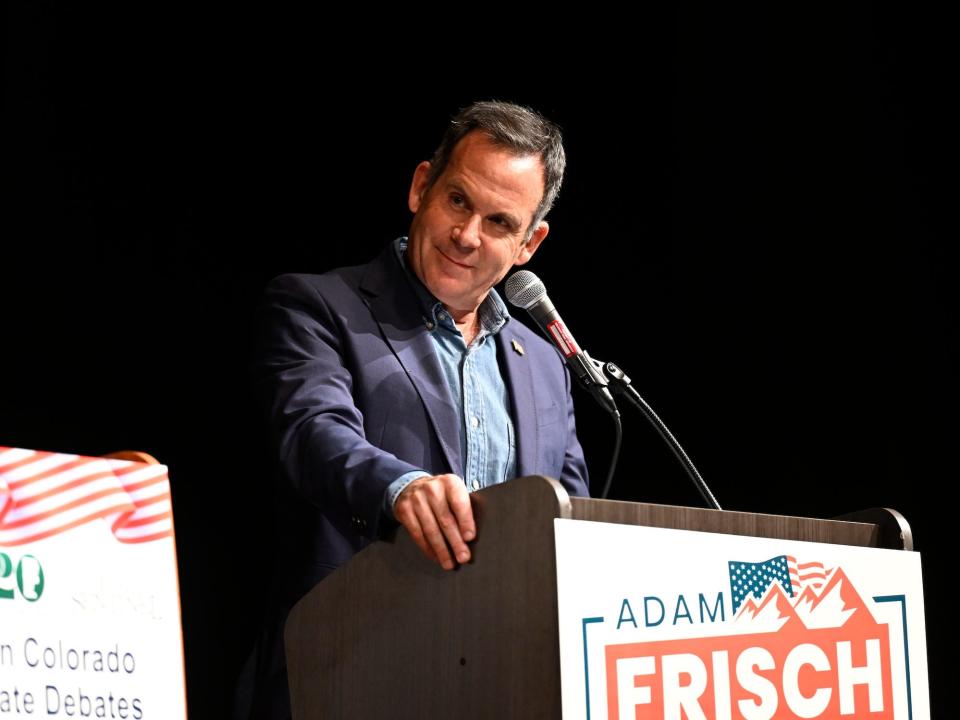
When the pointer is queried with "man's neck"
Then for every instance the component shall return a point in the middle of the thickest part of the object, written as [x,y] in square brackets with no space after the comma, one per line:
[468,323]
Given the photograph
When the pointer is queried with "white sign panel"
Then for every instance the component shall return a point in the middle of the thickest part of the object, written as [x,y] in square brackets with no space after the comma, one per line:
[674,624]
[89,600]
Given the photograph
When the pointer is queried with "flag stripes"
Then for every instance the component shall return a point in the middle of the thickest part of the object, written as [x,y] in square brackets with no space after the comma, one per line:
[44,494]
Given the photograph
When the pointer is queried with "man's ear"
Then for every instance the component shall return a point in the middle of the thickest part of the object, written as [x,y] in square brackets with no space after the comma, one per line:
[527,251]
[418,188]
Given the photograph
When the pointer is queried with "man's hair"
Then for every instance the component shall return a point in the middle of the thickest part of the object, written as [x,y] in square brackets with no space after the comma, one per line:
[517,129]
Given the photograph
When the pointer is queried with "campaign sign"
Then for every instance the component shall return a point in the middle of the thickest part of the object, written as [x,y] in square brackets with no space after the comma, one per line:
[89,600]
[682,625]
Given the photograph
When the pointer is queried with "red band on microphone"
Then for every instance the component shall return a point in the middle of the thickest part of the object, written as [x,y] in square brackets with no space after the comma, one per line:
[562,338]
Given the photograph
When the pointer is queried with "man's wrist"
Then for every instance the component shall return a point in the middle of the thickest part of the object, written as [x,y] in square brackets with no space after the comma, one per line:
[398,486]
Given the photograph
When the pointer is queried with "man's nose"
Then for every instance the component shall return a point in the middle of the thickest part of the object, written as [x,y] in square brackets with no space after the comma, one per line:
[467,234]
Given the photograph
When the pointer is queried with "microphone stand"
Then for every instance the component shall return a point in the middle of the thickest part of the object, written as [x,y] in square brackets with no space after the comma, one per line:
[590,374]
[620,384]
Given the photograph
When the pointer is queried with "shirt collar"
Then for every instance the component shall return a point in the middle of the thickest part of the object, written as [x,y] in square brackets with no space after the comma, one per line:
[493,311]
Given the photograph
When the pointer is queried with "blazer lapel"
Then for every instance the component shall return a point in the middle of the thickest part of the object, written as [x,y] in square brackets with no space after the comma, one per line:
[395,308]
[519,376]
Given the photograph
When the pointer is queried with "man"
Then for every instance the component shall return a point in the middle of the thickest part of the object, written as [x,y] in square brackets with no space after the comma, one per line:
[396,387]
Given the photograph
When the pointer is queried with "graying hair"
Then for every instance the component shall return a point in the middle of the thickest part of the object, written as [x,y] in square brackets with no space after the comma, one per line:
[517,129]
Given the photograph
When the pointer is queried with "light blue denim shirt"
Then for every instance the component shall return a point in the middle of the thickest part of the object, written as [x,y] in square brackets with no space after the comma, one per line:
[487,442]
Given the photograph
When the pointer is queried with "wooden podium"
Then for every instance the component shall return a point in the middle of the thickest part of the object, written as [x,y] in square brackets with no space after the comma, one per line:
[391,635]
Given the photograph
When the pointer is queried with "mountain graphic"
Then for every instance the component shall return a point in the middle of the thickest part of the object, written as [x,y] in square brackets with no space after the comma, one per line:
[774,611]
[749,607]
[836,605]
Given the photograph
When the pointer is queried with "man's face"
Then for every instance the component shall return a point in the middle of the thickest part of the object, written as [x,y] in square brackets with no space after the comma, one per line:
[468,229]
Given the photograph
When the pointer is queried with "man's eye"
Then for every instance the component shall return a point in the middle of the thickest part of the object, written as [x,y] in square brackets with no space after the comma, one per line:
[456,199]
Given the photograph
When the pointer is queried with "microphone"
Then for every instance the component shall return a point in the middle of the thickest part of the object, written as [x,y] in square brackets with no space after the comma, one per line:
[525,290]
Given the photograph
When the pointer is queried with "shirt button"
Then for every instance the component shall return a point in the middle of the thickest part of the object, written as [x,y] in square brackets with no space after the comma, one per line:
[475,421]
[429,325]
[476,484]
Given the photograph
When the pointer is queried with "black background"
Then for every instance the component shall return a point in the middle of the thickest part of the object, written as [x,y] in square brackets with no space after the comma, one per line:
[753,225]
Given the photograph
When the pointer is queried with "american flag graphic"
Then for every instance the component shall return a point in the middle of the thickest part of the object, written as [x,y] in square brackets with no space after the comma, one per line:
[43,494]
[813,574]
[755,579]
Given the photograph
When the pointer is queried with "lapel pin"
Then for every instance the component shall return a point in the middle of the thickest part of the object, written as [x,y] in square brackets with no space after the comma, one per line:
[518,348]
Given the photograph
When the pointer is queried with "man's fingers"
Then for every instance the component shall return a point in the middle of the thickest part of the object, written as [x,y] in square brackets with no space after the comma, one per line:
[460,505]
[450,527]
[415,510]
[436,512]
[432,531]
[408,518]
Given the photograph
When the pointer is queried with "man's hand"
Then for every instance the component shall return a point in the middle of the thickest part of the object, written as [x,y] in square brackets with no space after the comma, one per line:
[436,512]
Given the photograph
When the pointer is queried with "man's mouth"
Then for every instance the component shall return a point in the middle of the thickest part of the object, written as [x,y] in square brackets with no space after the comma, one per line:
[458,264]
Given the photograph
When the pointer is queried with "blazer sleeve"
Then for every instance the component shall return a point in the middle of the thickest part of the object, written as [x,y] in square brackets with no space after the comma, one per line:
[305,384]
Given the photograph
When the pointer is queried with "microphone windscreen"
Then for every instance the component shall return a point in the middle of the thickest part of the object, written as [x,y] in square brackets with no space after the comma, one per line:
[524,289]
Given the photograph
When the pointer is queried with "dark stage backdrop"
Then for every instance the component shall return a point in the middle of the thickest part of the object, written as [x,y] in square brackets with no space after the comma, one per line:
[753,225]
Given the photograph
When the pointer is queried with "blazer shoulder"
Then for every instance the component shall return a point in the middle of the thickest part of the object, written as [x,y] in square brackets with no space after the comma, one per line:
[338,277]
[335,285]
